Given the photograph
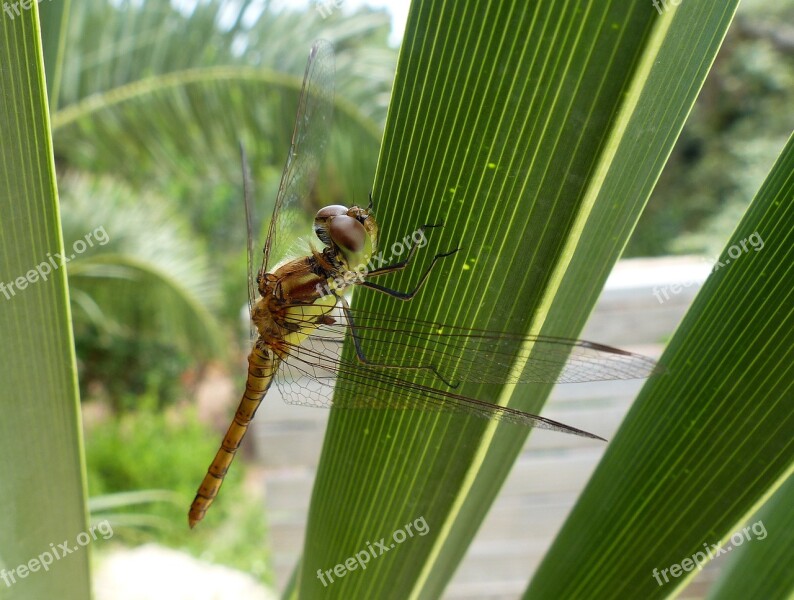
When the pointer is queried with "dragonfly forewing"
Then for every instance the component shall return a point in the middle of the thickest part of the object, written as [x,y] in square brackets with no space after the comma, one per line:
[436,359]
[309,141]
[438,352]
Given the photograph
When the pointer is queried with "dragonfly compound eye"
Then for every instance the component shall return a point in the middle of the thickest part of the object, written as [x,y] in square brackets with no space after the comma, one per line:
[324,217]
[348,234]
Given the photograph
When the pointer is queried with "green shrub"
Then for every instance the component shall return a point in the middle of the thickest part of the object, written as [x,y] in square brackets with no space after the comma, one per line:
[146,450]
[125,367]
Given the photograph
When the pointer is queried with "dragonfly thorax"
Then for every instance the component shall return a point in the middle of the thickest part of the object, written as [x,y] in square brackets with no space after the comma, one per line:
[349,233]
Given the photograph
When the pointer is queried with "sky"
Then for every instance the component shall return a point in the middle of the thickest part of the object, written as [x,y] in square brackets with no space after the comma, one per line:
[397,8]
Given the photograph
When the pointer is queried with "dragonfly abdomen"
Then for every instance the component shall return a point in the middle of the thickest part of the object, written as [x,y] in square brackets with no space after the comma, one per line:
[262,364]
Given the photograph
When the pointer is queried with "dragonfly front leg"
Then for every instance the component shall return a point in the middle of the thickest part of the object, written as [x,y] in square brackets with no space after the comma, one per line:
[399,266]
[364,360]
[396,293]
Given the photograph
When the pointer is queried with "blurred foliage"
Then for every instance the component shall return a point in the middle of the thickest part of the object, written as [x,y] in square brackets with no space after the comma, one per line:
[736,130]
[160,96]
[140,291]
[151,449]
[126,366]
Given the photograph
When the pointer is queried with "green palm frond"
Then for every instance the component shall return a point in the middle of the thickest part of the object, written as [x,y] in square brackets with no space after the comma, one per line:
[147,90]
[42,494]
[141,271]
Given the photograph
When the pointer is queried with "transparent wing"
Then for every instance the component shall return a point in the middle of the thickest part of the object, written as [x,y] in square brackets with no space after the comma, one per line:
[309,139]
[419,365]
[249,225]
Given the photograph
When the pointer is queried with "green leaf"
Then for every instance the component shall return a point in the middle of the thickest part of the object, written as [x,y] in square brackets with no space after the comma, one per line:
[762,569]
[705,444]
[43,489]
[535,132]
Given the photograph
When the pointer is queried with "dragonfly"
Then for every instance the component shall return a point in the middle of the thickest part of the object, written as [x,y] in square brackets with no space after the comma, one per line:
[301,317]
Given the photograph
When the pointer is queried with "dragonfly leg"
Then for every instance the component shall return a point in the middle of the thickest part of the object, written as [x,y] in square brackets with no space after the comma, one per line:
[399,266]
[364,360]
[405,295]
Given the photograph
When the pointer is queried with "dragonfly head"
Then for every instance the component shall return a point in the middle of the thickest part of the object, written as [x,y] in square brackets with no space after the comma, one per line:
[351,232]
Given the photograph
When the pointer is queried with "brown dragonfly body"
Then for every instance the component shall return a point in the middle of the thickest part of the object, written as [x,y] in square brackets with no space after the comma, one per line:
[299,297]
[295,299]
